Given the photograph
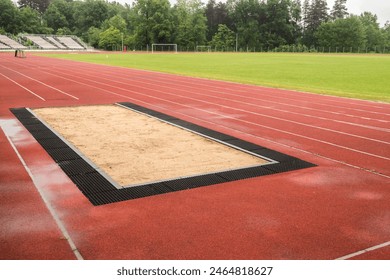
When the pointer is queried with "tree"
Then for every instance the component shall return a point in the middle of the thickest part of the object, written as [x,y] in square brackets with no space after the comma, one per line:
[125,12]
[8,16]
[115,8]
[64,31]
[386,36]
[153,22]
[94,36]
[110,39]
[339,9]
[59,14]
[281,28]
[255,24]
[341,34]
[38,5]
[296,20]
[55,18]
[305,13]
[91,13]
[191,23]
[374,36]
[224,39]
[216,14]
[316,15]
[368,18]
[117,22]
[30,22]
[248,16]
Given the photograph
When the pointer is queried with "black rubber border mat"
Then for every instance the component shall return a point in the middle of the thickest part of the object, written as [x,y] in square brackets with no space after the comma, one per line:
[100,191]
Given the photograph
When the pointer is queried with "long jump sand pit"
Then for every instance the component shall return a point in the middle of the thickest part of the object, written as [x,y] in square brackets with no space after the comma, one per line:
[134,149]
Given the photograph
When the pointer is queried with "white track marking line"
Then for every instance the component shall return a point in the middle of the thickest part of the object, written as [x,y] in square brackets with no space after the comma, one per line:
[247,111]
[167,77]
[203,120]
[225,116]
[248,97]
[231,108]
[265,139]
[272,141]
[309,96]
[260,106]
[364,251]
[245,88]
[56,89]
[47,203]
[257,91]
[225,91]
[33,93]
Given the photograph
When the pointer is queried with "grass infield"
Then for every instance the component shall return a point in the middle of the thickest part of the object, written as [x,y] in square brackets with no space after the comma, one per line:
[347,75]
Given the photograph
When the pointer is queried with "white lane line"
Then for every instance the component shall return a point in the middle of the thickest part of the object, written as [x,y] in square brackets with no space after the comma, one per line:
[154,97]
[246,111]
[248,88]
[243,111]
[56,89]
[263,90]
[309,96]
[263,95]
[269,140]
[203,120]
[137,78]
[220,115]
[53,213]
[33,93]
[166,77]
[210,112]
[364,251]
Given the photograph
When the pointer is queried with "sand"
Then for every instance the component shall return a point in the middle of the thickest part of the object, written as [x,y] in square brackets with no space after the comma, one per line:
[133,148]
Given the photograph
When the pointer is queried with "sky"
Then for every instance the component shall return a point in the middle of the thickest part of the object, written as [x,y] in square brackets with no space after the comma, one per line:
[379,7]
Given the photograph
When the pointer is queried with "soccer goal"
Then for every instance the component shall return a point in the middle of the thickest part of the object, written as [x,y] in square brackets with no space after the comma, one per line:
[164,48]
[203,48]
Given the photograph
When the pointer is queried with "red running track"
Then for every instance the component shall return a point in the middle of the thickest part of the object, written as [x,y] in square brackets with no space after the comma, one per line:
[336,210]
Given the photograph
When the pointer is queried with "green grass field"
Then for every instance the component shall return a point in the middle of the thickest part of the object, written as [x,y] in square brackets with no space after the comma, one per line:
[355,76]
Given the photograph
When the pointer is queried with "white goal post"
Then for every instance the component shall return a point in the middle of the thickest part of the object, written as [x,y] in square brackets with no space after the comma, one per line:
[169,47]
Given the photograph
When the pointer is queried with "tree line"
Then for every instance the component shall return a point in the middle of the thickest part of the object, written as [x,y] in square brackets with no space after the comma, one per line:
[241,25]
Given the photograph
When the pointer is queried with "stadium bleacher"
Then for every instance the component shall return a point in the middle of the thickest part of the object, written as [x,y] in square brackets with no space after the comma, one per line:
[4,47]
[11,43]
[40,42]
[70,43]
[55,42]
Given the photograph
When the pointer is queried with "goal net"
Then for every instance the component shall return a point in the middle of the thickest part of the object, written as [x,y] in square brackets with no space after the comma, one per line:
[164,48]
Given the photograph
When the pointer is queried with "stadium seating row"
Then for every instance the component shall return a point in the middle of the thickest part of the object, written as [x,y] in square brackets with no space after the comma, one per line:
[44,42]
[8,43]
